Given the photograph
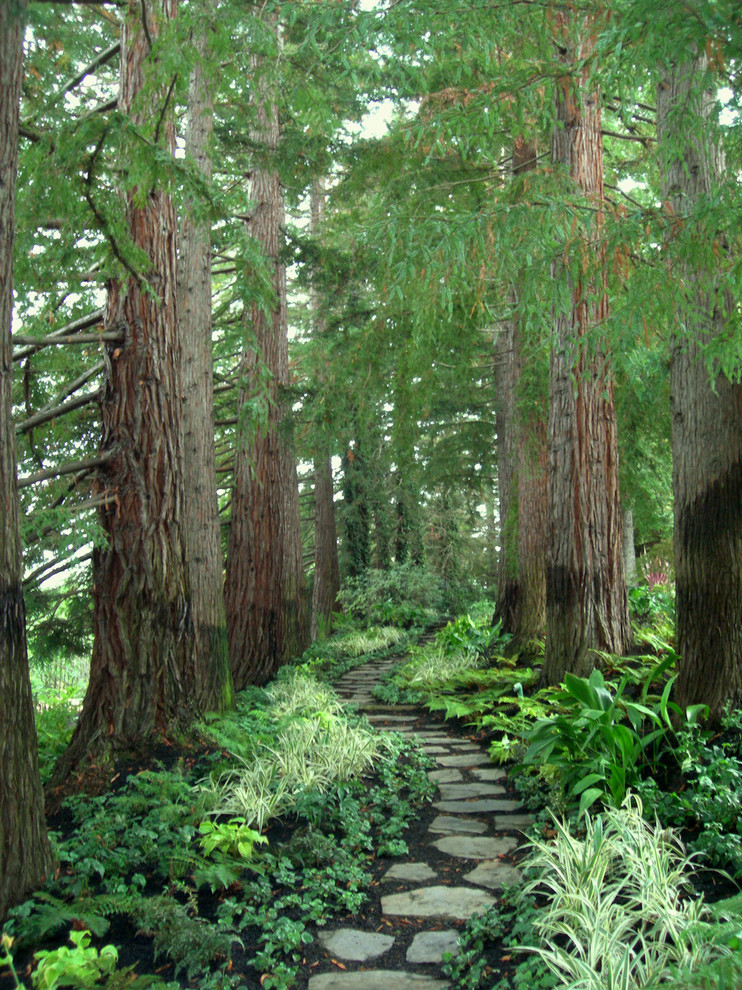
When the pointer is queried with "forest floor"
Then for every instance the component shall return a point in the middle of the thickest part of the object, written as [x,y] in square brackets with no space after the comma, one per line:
[406,877]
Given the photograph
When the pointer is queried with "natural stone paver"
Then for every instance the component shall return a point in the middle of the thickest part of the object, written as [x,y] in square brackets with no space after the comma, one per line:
[468,785]
[428,947]
[494,875]
[383,717]
[464,760]
[455,903]
[476,847]
[355,945]
[456,824]
[375,979]
[450,776]
[416,872]
[457,792]
[488,773]
[513,821]
[475,807]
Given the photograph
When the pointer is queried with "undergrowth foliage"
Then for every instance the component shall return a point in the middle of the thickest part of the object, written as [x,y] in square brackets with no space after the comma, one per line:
[186,855]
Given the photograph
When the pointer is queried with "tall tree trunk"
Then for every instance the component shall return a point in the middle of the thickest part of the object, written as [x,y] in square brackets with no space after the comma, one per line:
[586,599]
[521,454]
[532,529]
[357,544]
[25,854]
[142,667]
[326,568]
[265,595]
[213,690]
[401,531]
[326,582]
[706,416]
[629,549]
[506,607]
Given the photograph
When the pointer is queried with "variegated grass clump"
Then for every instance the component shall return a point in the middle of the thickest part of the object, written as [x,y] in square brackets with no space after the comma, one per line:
[356,643]
[617,916]
[313,745]
[433,664]
[297,693]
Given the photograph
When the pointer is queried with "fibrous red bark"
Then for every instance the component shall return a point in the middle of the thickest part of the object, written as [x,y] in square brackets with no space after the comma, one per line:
[142,668]
[213,689]
[265,594]
[25,854]
[586,598]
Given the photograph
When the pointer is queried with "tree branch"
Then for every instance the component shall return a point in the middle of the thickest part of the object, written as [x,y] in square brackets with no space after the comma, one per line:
[100,59]
[56,566]
[73,386]
[56,472]
[82,323]
[36,343]
[48,414]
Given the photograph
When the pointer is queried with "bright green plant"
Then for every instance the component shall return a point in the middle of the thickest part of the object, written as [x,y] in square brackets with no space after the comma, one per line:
[598,739]
[80,966]
[617,915]
[233,838]
[464,634]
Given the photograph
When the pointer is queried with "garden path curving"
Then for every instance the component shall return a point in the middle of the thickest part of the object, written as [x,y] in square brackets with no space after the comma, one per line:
[472,831]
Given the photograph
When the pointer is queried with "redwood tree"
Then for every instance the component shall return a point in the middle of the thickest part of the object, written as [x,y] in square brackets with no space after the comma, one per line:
[326,582]
[142,667]
[706,409]
[25,854]
[586,598]
[522,460]
[213,688]
[265,596]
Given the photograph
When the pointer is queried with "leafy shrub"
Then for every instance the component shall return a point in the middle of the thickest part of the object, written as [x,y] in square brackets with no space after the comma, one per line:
[599,739]
[376,596]
[710,803]
[467,636]
[80,966]
[233,838]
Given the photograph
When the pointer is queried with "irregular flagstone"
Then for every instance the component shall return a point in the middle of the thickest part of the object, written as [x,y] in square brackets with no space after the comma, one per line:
[434,749]
[457,792]
[375,979]
[488,773]
[451,776]
[355,945]
[416,872]
[428,947]
[459,744]
[383,717]
[476,807]
[455,903]
[494,875]
[464,760]
[513,821]
[476,847]
[454,824]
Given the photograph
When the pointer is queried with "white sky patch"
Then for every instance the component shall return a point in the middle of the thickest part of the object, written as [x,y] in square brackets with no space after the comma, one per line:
[727,117]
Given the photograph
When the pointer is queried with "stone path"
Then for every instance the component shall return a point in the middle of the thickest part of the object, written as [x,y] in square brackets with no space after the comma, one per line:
[475,826]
